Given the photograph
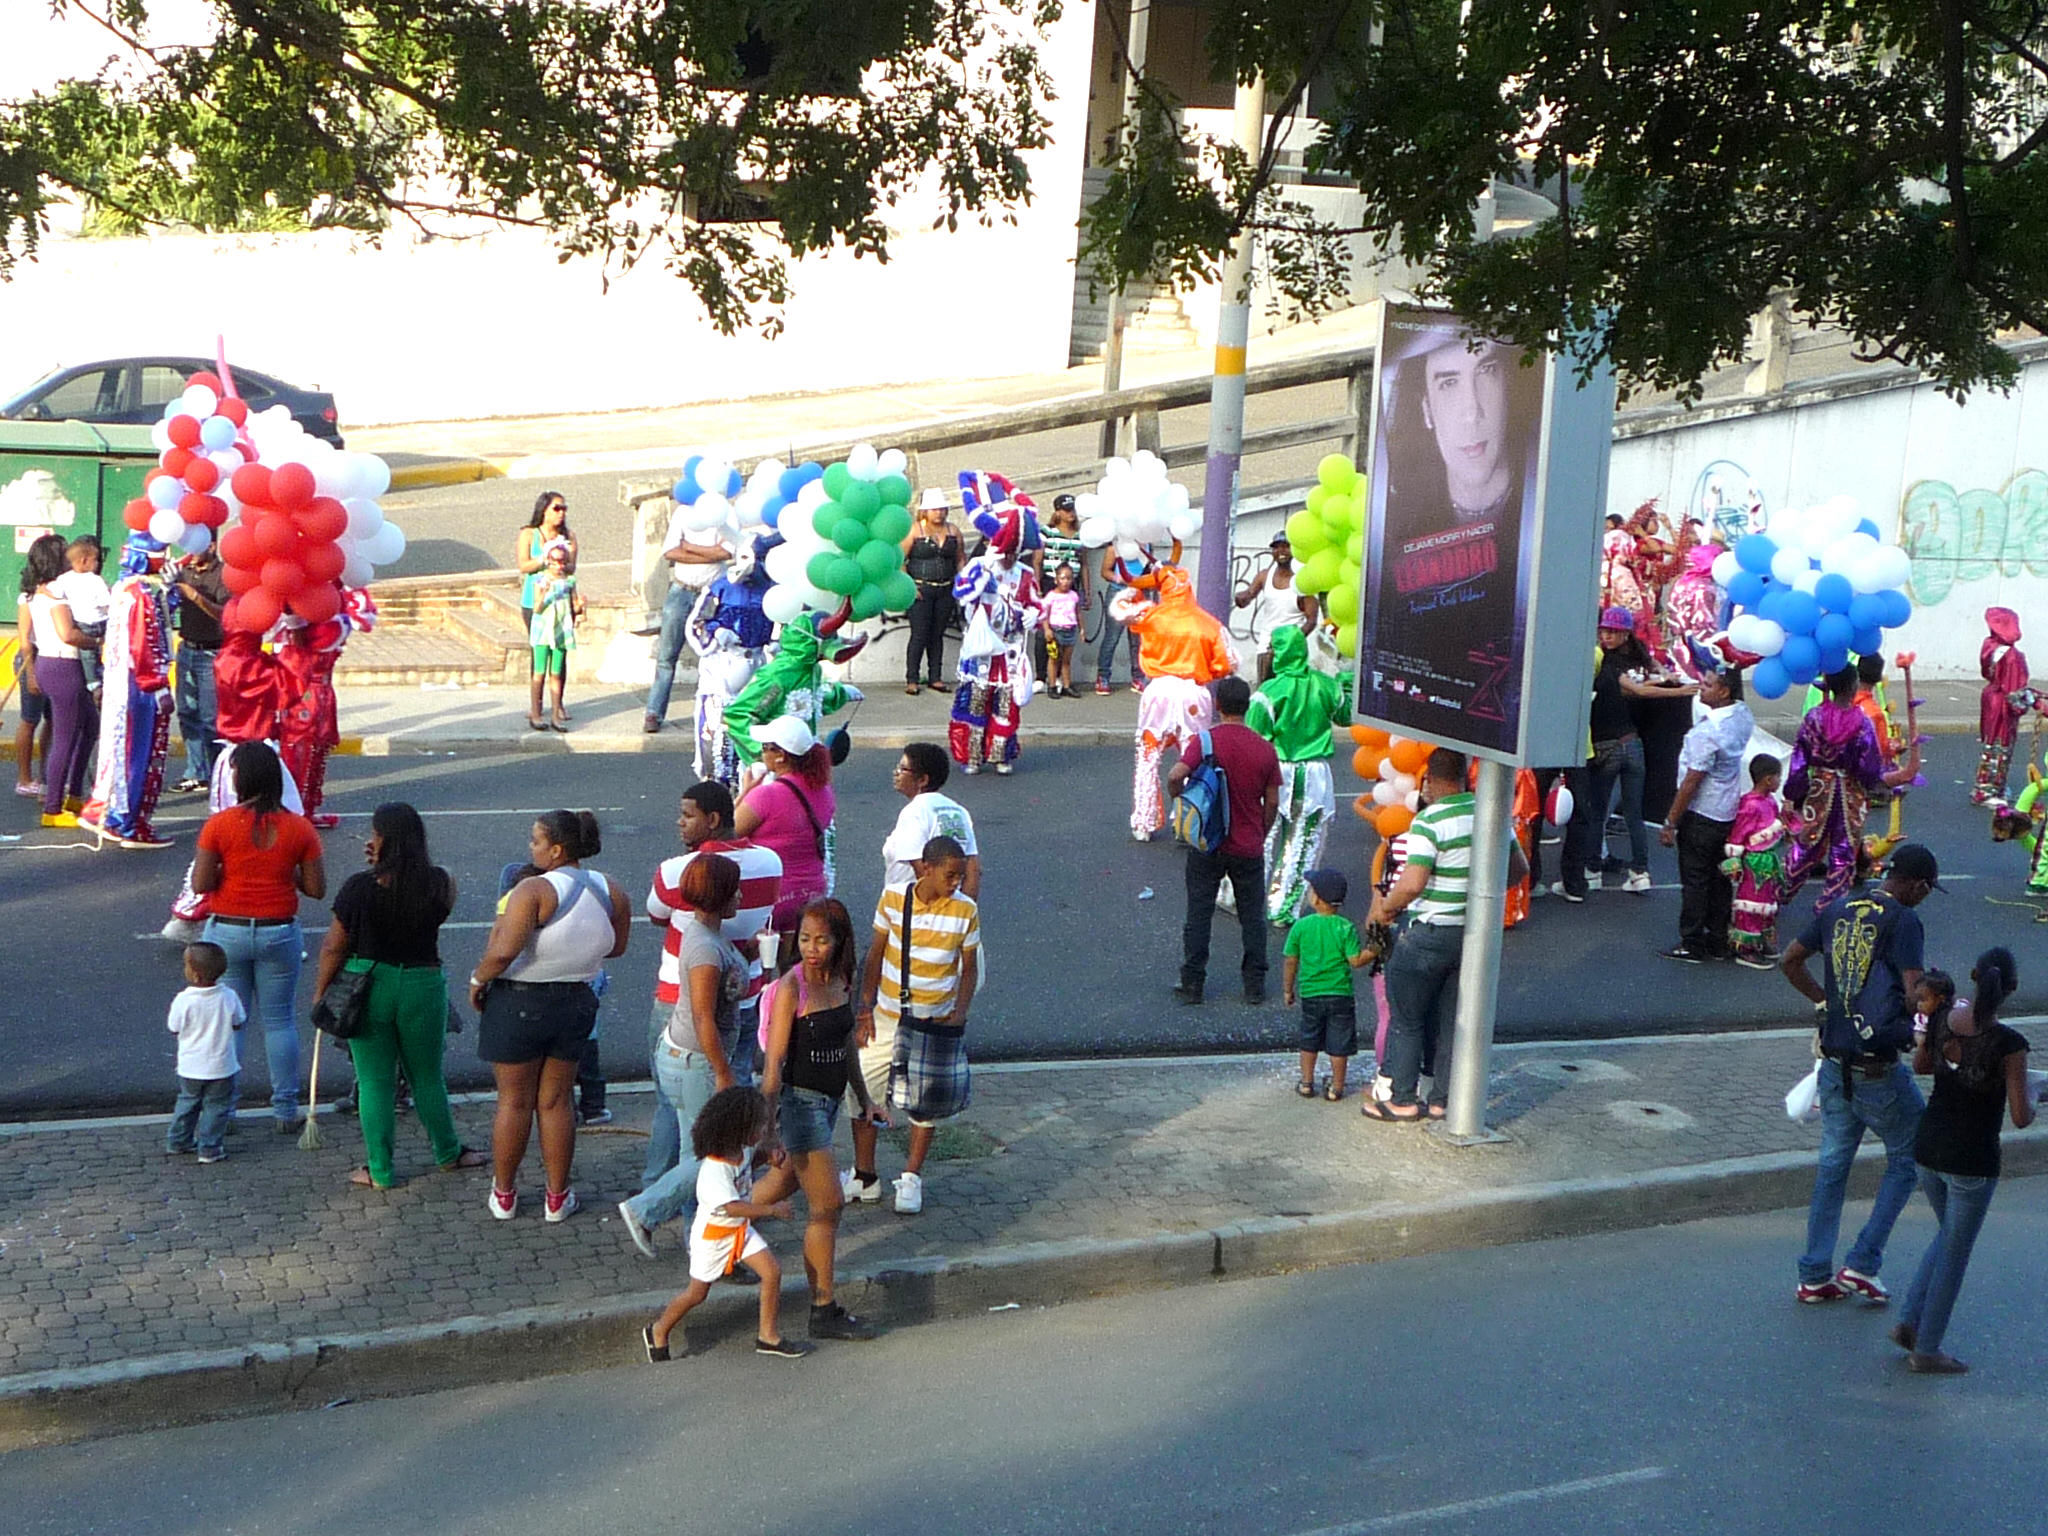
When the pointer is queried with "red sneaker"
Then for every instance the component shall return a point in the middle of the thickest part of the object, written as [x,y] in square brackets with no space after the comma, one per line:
[1812,1294]
[1869,1287]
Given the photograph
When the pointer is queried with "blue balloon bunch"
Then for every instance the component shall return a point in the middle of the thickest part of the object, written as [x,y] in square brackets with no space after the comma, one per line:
[703,475]
[788,486]
[1819,589]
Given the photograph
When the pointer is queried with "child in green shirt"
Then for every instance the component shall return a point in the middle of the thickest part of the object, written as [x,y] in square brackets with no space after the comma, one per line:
[1323,949]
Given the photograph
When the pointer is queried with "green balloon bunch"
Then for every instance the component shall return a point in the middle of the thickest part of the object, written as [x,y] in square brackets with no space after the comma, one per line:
[1328,536]
[861,525]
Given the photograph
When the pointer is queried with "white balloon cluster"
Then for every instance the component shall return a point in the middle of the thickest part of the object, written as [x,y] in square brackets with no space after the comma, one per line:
[1393,787]
[1134,503]
[356,480]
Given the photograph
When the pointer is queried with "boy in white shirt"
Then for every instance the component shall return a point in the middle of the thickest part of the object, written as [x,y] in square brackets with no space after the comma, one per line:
[204,1017]
[920,774]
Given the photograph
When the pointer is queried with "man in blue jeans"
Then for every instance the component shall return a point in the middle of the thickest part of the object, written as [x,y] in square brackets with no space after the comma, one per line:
[1870,944]
[692,566]
[1251,772]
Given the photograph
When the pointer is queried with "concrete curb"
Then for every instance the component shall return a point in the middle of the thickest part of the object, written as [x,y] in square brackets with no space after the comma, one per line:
[405,743]
[54,1407]
[420,477]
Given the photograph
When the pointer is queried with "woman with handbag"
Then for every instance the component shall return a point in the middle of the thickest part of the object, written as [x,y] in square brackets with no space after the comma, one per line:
[789,808]
[379,987]
[532,987]
[255,859]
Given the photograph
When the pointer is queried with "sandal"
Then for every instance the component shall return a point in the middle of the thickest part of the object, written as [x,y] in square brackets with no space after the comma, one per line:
[912,689]
[1385,1114]
[1333,1093]
[1306,1090]
[362,1180]
[1436,1111]
[535,725]
[468,1157]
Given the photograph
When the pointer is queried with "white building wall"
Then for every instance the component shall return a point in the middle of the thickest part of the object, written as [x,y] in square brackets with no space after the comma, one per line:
[1964,488]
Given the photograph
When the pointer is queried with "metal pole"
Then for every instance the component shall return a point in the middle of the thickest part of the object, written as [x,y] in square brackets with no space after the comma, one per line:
[1479,961]
[1226,390]
[1137,46]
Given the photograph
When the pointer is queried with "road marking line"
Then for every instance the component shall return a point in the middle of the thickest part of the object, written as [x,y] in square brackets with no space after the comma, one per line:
[1493,1502]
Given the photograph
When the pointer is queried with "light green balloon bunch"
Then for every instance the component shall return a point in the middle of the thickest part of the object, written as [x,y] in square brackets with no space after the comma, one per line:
[1328,536]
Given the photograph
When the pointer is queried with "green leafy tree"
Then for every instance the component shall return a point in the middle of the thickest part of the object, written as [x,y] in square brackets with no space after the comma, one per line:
[718,137]
[1884,161]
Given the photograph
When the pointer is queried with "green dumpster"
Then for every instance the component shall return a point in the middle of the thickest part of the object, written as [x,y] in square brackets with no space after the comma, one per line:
[66,477]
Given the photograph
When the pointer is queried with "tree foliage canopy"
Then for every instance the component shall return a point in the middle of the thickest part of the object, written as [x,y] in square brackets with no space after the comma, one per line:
[719,136]
[1886,161]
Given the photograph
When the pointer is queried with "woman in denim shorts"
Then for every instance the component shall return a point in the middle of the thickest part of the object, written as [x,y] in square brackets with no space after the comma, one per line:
[810,1063]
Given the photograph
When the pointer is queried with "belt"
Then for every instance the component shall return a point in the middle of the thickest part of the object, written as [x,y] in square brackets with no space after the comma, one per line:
[1436,922]
[252,922]
[535,986]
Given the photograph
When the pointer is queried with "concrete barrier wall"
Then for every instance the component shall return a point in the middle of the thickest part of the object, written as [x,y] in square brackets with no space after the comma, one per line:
[1963,487]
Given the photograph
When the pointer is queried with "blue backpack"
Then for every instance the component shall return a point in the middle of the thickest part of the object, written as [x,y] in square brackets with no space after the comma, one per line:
[1201,812]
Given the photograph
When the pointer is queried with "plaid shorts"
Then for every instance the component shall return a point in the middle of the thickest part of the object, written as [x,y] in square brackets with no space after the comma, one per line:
[928,1076]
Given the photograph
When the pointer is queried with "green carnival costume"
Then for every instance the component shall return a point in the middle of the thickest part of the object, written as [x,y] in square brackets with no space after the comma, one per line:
[1296,710]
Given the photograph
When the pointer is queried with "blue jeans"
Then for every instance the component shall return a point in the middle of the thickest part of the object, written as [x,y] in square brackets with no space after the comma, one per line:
[1960,1204]
[1106,642]
[664,1139]
[675,614]
[197,711]
[200,1117]
[1890,1106]
[263,971]
[683,1078]
[1619,762]
[1422,1002]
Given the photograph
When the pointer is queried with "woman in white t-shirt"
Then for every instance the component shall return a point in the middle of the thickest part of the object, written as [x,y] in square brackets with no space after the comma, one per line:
[920,774]
[60,678]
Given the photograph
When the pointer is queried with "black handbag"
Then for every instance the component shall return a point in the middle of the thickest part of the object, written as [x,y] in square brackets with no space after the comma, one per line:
[342,1010]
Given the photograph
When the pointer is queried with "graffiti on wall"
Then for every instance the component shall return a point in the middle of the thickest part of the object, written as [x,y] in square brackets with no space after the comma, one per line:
[1956,536]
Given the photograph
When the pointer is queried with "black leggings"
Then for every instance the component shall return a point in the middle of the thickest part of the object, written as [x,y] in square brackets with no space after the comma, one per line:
[929,616]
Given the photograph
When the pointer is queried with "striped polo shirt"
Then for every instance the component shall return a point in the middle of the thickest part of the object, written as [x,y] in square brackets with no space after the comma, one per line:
[760,888]
[1440,841]
[940,936]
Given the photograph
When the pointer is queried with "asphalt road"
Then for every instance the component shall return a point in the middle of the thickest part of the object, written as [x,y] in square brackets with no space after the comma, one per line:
[1080,959]
[1660,1381]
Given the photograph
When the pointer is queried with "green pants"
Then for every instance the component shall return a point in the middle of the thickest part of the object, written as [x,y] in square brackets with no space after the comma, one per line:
[407,1015]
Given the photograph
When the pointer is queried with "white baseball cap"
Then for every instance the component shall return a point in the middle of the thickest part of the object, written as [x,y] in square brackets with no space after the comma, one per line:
[786,732]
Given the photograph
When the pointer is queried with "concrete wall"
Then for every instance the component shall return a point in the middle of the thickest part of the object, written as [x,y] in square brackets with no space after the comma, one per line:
[494,325]
[1963,487]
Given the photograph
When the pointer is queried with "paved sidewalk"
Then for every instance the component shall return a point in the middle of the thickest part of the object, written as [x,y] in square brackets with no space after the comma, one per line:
[150,1289]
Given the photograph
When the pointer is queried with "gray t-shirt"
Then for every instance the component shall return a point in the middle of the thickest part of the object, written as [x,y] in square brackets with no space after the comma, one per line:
[702,946]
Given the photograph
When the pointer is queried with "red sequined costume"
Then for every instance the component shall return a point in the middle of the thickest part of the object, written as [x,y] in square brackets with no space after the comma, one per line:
[309,722]
[2004,700]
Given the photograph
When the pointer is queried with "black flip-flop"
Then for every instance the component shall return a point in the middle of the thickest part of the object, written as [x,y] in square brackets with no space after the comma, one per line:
[1333,1093]
[1373,1109]
[536,725]
[656,1353]
[1306,1090]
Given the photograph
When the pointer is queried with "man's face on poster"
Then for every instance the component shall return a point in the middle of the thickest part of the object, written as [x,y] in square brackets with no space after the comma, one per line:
[1464,401]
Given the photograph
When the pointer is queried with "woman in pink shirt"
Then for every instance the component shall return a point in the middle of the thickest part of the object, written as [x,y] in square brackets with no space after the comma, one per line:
[790,810]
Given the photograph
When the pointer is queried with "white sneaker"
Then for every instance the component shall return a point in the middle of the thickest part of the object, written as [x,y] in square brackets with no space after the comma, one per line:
[552,1212]
[1638,882]
[970,768]
[636,1229]
[853,1188]
[504,1206]
[1004,770]
[1559,890]
[909,1195]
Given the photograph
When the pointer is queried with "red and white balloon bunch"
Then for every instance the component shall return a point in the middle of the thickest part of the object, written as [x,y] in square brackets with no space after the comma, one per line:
[201,443]
[285,554]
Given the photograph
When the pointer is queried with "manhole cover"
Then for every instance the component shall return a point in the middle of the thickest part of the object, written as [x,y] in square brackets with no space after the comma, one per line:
[1647,1116]
[1574,1069]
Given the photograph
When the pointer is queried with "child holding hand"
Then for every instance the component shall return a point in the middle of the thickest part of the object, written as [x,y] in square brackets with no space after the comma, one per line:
[722,1237]
[1323,949]
[1063,626]
[557,605]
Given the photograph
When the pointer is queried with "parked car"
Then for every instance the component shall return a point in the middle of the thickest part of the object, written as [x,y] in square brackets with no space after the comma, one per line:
[136,389]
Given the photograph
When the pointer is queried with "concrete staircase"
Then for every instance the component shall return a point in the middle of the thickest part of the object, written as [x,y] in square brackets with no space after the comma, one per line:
[1154,320]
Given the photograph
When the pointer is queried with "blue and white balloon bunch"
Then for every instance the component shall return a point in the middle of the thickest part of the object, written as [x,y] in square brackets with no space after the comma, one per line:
[1819,587]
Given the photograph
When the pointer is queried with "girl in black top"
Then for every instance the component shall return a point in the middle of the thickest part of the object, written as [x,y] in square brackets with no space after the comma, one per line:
[809,1064]
[387,922]
[1980,1071]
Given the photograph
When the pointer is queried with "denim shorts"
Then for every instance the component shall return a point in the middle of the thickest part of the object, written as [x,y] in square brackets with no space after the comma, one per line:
[526,1021]
[1067,639]
[1329,1025]
[807,1119]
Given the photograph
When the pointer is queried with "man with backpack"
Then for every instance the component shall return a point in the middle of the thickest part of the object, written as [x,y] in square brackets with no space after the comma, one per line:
[1227,784]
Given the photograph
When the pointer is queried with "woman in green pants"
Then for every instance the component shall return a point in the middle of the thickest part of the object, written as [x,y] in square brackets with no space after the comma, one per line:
[387,921]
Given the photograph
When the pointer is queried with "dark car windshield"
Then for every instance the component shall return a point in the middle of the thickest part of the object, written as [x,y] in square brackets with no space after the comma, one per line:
[15,402]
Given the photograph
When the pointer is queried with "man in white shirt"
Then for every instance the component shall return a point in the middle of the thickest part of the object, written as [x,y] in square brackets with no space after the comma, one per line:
[1274,600]
[920,774]
[694,561]
[1702,814]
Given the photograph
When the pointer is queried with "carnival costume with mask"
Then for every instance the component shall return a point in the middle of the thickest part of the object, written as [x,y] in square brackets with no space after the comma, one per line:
[729,633]
[136,704]
[1295,710]
[1836,765]
[309,721]
[1181,650]
[2005,699]
[999,611]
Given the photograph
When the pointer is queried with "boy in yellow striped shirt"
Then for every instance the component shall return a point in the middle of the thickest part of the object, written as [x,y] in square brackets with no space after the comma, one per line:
[915,991]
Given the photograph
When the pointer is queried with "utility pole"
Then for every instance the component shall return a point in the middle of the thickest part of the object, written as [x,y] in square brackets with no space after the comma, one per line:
[1137,46]
[1226,389]
[1479,958]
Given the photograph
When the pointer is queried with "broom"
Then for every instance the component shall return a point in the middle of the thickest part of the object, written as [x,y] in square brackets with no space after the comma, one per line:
[309,1138]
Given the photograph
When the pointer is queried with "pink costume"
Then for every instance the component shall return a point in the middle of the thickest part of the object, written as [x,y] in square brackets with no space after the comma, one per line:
[309,725]
[1756,849]
[2004,700]
[1181,650]
[1692,609]
[1835,765]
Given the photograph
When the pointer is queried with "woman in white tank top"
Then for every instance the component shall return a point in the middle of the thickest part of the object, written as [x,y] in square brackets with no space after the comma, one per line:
[532,988]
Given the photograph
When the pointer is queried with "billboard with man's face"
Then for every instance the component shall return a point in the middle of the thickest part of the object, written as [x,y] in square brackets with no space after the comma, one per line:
[1450,543]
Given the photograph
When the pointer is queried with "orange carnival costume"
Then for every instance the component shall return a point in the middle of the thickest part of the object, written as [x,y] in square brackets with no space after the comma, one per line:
[1181,650]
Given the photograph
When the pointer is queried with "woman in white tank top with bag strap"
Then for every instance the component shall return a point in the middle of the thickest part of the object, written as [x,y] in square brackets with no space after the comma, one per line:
[532,989]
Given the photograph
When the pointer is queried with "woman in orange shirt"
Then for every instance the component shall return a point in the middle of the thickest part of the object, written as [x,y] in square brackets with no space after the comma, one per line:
[255,860]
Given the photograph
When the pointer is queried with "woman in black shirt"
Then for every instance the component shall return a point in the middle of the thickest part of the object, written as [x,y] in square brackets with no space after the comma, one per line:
[1980,1072]
[387,922]
[931,555]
